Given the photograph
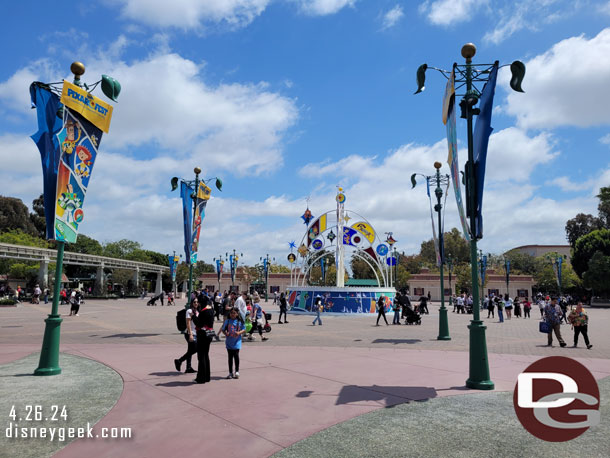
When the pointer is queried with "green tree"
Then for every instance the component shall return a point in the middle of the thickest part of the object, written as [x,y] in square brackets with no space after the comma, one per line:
[597,276]
[38,216]
[546,278]
[86,245]
[580,225]
[411,263]
[604,206]
[587,246]
[402,277]
[456,246]
[279,269]
[360,269]
[18,237]
[521,263]
[14,215]
[121,249]
[463,279]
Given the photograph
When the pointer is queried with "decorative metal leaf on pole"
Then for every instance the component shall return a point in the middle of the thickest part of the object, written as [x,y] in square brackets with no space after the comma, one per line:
[468,76]
[71,121]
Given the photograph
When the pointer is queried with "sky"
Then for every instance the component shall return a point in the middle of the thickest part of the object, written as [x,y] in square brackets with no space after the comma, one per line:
[285,100]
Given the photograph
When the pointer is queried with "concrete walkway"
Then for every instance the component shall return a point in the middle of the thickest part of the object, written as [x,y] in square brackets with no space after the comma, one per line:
[284,395]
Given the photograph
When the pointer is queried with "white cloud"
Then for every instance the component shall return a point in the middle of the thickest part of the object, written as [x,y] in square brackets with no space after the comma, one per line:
[515,16]
[191,14]
[324,7]
[448,12]
[566,85]
[605,139]
[391,18]
[604,8]
[565,184]
[166,106]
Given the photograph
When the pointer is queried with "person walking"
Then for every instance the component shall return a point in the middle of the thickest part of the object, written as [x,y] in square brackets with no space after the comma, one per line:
[258,319]
[319,308]
[191,339]
[552,315]
[36,295]
[423,304]
[490,307]
[517,306]
[46,295]
[500,305]
[233,328]
[283,308]
[240,303]
[381,310]
[205,332]
[580,322]
[527,307]
[397,299]
[508,306]
[541,305]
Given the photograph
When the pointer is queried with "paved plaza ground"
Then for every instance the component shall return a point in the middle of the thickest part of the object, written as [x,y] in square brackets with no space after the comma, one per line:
[347,388]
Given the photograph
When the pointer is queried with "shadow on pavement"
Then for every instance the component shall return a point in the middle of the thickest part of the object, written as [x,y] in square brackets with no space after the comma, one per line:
[165,374]
[392,395]
[127,336]
[396,341]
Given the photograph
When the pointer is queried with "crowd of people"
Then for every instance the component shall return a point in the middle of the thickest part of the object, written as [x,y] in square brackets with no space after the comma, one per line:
[242,316]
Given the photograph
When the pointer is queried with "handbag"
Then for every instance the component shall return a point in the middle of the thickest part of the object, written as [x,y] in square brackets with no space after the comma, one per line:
[544,327]
[210,333]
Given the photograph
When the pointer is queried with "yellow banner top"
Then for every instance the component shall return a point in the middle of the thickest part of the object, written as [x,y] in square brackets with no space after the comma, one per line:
[90,107]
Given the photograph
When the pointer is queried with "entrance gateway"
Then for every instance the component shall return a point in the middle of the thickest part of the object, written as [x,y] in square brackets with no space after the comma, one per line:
[326,240]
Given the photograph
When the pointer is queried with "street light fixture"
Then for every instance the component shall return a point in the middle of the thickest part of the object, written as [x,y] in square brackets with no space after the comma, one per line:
[233,261]
[220,262]
[556,261]
[467,75]
[266,260]
[440,180]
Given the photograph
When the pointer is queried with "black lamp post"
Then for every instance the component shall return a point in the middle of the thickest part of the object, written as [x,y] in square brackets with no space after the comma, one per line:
[439,180]
[233,260]
[266,260]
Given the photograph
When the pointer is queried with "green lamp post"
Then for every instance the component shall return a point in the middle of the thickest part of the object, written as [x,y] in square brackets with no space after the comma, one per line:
[266,260]
[233,261]
[73,199]
[556,261]
[468,76]
[439,180]
[199,197]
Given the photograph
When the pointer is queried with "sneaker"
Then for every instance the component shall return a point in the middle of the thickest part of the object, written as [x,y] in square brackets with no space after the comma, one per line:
[589,347]
[285,322]
[177,364]
[230,376]
[250,338]
[236,375]
[574,346]
[264,338]
[190,370]
[562,344]
[279,322]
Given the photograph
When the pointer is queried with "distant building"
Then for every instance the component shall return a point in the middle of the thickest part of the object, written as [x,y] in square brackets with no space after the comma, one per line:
[541,250]
[425,281]
[245,282]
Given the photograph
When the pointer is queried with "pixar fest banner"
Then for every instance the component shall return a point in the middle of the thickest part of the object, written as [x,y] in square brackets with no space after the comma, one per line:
[68,147]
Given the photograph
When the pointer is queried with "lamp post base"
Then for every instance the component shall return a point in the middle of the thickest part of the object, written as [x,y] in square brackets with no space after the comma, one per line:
[49,356]
[479,365]
[443,325]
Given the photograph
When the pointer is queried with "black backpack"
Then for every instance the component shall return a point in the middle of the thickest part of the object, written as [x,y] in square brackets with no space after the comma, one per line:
[181,320]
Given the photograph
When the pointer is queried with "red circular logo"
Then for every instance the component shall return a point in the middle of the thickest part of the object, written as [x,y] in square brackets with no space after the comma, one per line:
[556,399]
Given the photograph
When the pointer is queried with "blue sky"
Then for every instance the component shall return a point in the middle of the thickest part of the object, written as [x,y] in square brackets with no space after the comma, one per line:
[287,99]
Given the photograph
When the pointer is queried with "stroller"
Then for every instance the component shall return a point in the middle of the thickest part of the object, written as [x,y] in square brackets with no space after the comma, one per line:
[412,316]
[153,300]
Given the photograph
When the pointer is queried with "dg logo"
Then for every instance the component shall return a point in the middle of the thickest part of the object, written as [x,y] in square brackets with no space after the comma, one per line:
[557,399]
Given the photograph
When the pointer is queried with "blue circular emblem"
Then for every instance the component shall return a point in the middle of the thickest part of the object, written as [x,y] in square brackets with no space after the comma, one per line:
[382,249]
[317,244]
[391,261]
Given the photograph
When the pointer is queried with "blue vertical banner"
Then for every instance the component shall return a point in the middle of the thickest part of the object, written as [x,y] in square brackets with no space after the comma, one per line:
[69,133]
[483,268]
[559,262]
[323,270]
[233,263]
[219,267]
[482,131]
[507,265]
[173,265]
[187,213]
